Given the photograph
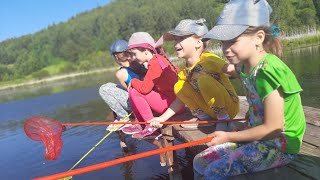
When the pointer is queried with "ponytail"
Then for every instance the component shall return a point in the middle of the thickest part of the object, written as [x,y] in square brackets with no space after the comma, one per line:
[161,52]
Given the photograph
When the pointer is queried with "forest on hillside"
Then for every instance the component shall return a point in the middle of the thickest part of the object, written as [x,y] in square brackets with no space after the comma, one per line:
[82,43]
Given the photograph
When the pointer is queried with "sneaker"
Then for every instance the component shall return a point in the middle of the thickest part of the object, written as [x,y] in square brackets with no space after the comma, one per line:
[118,127]
[195,125]
[132,129]
[148,132]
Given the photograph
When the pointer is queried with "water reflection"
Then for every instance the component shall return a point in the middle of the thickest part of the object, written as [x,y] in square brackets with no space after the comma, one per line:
[53,87]
[306,66]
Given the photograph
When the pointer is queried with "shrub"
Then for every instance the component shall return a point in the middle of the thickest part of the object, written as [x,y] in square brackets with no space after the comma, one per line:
[40,74]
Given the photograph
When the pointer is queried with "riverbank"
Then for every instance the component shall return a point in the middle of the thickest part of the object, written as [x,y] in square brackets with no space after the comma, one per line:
[294,42]
[55,78]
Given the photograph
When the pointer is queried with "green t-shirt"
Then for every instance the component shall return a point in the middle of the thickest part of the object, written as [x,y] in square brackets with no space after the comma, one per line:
[270,74]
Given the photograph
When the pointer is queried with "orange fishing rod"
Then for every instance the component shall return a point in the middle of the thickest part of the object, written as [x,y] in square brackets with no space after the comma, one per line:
[166,122]
[122,160]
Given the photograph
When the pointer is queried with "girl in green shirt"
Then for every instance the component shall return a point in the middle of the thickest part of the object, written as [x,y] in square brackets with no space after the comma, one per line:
[276,121]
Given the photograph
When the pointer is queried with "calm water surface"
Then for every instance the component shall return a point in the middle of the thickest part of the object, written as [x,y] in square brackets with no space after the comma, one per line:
[77,100]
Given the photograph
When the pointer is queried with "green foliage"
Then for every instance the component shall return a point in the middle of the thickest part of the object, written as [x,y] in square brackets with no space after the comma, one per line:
[40,74]
[67,68]
[5,73]
[84,66]
[83,42]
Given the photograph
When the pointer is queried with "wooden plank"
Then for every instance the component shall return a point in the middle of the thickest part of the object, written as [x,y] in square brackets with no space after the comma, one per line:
[274,174]
[308,162]
[310,150]
[312,135]
[312,115]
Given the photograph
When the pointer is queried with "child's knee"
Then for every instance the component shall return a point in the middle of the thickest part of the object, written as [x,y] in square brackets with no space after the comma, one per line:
[199,164]
[105,88]
[133,92]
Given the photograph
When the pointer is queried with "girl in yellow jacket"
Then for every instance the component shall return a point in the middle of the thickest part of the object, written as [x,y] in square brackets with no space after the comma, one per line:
[202,86]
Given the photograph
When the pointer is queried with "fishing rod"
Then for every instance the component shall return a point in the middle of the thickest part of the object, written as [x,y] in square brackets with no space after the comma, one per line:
[172,122]
[49,131]
[124,159]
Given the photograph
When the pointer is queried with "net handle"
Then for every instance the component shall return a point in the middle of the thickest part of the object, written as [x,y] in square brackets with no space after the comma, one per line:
[124,159]
[166,122]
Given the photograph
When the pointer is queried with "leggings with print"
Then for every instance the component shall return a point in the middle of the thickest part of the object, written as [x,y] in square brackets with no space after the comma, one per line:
[231,159]
[209,94]
[117,99]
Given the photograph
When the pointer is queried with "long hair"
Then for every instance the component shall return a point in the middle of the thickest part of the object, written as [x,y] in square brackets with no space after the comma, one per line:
[270,44]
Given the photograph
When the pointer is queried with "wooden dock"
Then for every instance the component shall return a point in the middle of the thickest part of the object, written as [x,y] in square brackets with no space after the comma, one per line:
[306,166]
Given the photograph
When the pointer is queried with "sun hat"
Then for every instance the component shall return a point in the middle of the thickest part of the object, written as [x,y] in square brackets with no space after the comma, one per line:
[237,16]
[187,27]
[118,46]
[145,40]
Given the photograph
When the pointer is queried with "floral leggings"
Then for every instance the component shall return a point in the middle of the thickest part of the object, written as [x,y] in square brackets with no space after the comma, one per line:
[231,159]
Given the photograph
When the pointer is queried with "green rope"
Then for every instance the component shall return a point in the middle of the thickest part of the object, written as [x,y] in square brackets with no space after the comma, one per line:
[114,129]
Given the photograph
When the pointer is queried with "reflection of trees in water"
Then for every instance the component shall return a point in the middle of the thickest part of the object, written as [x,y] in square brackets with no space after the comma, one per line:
[56,86]
[7,127]
[88,112]
[92,111]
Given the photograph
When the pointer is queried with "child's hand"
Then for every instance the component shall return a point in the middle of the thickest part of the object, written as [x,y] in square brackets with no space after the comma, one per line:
[219,137]
[155,122]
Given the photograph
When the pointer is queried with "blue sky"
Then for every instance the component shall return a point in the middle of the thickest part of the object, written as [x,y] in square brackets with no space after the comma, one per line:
[21,17]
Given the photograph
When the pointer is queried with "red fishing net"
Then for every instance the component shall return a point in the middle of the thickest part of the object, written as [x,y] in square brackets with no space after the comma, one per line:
[48,131]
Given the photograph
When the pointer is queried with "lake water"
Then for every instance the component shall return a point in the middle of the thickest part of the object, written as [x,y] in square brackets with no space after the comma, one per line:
[77,100]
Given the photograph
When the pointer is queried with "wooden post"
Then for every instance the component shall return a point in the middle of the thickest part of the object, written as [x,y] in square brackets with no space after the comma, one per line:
[171,159]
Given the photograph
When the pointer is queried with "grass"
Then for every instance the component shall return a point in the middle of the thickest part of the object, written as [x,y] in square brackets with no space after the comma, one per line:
[55,69]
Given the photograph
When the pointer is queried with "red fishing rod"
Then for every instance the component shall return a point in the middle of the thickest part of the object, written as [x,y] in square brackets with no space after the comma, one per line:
[172,122]
[49,131]
[122,160]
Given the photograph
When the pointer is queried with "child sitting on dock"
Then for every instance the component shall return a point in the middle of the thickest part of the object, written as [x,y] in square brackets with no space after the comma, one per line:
[116,95]
[155,92]
[202,85]
[276,119]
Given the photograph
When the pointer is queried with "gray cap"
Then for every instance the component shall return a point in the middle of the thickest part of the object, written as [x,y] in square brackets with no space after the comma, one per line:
[237,16]
[118,46]
[187,27]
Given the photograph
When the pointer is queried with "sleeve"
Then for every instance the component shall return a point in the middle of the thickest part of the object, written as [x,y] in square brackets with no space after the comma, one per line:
[150,80]
[276,75]
[213,64]
[265,84]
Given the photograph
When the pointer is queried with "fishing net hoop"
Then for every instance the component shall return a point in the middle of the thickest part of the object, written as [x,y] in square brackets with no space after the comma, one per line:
[48,131]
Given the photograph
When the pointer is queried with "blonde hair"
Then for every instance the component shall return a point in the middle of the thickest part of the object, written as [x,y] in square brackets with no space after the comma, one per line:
[270,44]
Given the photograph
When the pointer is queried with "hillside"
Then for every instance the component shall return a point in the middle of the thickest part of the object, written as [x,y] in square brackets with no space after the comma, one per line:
[82,43]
